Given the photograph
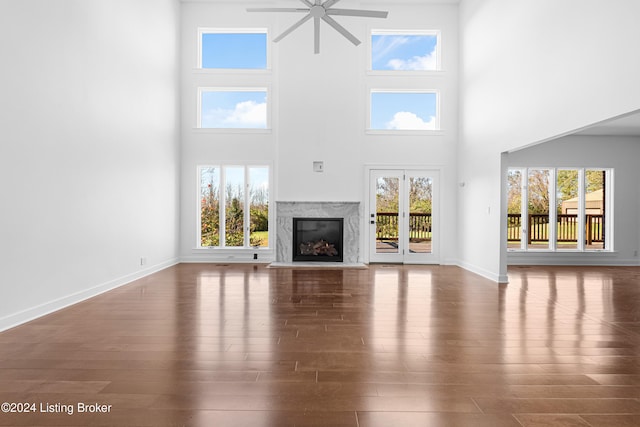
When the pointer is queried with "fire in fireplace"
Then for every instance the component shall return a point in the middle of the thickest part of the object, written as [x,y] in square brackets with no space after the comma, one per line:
[317,239]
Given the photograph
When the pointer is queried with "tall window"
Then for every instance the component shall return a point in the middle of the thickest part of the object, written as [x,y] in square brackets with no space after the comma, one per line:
[234,206]
[559,209]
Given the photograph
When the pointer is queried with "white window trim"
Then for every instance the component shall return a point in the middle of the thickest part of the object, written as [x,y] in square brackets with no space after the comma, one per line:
[247,212]
[391,32]
[201,90]
[434,132]
[209,30]
[552,248]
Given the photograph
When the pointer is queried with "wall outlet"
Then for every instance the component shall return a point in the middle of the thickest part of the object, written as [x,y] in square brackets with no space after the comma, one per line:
[255,256]
[143,261]
[635,253]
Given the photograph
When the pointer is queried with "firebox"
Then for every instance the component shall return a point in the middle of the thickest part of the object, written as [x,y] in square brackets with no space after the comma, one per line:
[317,239]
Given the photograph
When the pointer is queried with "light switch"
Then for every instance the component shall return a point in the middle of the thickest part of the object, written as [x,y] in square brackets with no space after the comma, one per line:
[318,166]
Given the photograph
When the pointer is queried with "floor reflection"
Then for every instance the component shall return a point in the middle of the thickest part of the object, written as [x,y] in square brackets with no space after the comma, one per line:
[247,345]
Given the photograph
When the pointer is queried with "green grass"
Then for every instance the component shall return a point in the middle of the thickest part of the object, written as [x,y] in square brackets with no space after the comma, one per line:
[263,236]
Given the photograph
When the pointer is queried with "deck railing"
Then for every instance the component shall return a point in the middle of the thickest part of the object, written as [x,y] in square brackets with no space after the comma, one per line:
[387,226]
[567,228]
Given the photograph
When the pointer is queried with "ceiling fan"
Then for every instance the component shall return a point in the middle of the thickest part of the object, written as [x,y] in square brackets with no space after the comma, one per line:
[321,11]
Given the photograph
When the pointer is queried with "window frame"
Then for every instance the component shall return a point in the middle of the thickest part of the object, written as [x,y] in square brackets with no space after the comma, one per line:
[247,206]
[216,30]
[202,89]
[608,224]
[405,32]
[438,120]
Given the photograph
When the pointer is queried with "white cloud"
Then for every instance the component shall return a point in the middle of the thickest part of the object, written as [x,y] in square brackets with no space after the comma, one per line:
[249,114]
[405,120]
[384,45]
[416,63]
[244,115]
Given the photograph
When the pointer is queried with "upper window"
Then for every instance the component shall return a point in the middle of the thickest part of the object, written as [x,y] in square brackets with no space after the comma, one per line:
[404,111]
[405,51]
[233,49]
[232,108]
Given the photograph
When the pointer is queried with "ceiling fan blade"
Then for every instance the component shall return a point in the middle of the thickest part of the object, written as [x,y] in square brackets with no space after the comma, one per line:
[329,20]
[307,2]
[293,27]
[355,12]
[316,35]
[276,9]
[329,3]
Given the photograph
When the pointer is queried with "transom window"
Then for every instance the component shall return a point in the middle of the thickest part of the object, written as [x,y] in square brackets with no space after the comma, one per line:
[234,206]
[232,48]
[233,108]
[576,200]
[405,50]
[411,110]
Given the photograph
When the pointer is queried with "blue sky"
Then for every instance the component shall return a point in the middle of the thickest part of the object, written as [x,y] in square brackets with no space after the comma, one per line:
[234,176]
[399,52]
[234,109]
[248,109]
[234,50]
[403,111]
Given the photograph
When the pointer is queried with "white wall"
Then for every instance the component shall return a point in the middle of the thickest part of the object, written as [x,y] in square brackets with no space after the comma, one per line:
[532,70]
[618,153]
[319,110]
[89,153]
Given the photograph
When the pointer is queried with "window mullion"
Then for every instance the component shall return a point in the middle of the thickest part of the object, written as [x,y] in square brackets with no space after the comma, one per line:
[553,211]
[223,207]
[524,210]
[581,209]
[247,209]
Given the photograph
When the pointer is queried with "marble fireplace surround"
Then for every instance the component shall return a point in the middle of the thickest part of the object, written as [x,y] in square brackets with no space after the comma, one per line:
[286,211]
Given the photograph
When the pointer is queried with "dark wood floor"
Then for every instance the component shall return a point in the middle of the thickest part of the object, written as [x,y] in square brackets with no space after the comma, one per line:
[244,345]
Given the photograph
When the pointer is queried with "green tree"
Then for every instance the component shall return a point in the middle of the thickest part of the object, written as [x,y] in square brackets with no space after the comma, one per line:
[210,216]
[538,191]
[234,222]
[567,187]
[420,195]
[514,185]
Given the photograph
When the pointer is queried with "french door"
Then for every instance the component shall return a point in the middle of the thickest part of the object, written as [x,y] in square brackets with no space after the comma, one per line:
[403,216]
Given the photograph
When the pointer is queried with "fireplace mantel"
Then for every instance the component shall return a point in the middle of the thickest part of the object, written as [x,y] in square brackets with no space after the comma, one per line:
[286,211]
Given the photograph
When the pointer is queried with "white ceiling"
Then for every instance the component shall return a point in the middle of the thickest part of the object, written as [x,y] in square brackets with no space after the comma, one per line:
[626,125]
[281,2]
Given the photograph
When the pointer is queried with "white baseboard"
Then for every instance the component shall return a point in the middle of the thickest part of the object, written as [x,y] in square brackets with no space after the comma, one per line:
[494,277]
[33,313]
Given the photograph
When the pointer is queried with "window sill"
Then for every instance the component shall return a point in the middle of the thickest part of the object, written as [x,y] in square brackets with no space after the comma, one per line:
[233,71]
[405,132]
[231,131]
[406,73]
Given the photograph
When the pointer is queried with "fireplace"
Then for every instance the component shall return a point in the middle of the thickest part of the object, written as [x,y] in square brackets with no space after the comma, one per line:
[286,211]
[318,239]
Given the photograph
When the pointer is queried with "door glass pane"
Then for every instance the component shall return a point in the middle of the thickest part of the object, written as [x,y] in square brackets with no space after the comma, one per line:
[594,207]
[567,199]
[209,206]
[234,206]
[514,209]
[259,209]
[387,198]
[538,227]
[420,200]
